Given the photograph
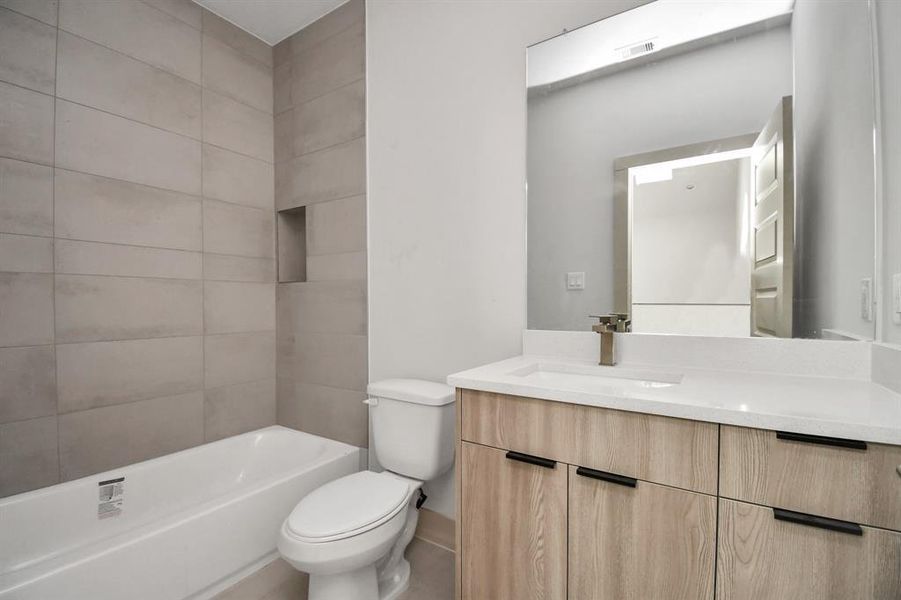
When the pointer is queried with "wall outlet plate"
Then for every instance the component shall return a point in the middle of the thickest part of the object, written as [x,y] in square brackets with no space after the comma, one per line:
[896,298]
[866,299]
[575,280]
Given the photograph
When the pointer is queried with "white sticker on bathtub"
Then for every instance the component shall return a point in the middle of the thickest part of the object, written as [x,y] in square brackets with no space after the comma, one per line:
[111,498]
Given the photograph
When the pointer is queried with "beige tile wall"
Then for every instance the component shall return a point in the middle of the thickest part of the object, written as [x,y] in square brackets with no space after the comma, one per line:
[320,164]
[137,244]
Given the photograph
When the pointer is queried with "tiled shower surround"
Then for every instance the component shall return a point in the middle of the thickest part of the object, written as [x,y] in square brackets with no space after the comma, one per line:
[137,234]
[320,168]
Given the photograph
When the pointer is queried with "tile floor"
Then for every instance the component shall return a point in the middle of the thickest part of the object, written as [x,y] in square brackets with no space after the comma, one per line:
[432,578]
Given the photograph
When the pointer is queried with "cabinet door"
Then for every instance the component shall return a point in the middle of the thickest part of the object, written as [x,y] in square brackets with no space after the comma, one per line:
[646,542]
[513,526]
[762,556]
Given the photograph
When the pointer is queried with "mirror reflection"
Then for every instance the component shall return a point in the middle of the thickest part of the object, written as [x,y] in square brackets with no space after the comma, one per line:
[705,168]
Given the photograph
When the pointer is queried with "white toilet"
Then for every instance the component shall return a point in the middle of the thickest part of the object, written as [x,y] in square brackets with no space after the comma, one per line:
[351,533]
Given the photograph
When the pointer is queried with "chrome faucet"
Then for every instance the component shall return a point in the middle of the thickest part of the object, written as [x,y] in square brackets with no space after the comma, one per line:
[606,327]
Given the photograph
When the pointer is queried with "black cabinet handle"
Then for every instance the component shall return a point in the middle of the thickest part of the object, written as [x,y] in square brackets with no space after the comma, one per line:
[532,460]
[608,477]
[814,521]
[821,440]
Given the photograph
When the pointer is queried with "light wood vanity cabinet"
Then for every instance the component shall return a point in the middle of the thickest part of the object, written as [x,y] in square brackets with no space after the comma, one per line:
[515,533]
[673,452]
[555,502]
[841,479]
[646,541]
[760,556]
[568,501]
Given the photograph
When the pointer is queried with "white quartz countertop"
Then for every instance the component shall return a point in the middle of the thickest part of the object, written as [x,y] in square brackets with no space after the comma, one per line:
[844,408]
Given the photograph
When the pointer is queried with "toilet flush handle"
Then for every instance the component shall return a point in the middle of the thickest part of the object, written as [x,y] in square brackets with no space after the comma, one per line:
[371,401]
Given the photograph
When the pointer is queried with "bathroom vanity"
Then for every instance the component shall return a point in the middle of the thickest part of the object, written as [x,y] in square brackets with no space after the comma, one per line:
[585,482]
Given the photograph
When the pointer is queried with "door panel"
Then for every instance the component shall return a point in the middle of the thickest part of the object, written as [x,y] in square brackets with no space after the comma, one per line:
[762,557]
[639,543]
[773,217]
[513,527]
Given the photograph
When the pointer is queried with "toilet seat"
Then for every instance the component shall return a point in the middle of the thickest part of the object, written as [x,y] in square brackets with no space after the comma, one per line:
[348,507]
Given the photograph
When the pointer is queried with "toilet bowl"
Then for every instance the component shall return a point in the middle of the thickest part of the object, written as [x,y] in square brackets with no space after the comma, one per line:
[350,534]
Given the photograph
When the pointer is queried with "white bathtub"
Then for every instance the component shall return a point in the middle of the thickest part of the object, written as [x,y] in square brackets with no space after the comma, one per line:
[190,523]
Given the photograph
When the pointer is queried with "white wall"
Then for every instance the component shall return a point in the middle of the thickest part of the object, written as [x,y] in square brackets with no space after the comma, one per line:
[690,245]
[833,127]
[447,166]
[576,133]
[888,13]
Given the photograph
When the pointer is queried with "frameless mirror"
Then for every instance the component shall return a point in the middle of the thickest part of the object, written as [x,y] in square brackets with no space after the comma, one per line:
[707,168]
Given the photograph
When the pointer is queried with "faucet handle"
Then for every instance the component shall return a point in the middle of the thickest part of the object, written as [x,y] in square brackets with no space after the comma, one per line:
[619,322]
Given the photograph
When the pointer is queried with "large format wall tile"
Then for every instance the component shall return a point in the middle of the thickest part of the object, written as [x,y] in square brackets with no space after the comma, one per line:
[217,27]
[90,258]
[107,210]
[230,124]
[239,230]
[27,52]
[235,74]
[26,317]
[348,14]
[104,373]
[100,439]
[336,117]
[238,408]
[322,307]
[331,359]
[138,30]
[329,267]
[26,198]
[26,254]
[238,307]
[99,143]
[42,10]
[237,178]
[183,10]
[28,455]
[284,136]
[330,174]
[220,267]
[26,124]
[282,84]
[95,308]
[238,357]
[330,412]
[336,61]
[337,226]
[29,383]
[93,75]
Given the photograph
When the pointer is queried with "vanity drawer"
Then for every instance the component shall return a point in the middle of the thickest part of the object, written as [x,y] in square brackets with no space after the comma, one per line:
[810,475]
[767,554]
[663,450]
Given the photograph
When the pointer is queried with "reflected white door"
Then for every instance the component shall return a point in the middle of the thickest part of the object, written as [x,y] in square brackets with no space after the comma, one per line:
[773,219]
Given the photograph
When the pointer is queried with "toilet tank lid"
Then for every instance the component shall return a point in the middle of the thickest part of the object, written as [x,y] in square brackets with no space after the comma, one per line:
[416,391]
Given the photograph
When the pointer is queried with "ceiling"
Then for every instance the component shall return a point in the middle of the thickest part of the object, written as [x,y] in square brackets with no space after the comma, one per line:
[665,23]
[271,20]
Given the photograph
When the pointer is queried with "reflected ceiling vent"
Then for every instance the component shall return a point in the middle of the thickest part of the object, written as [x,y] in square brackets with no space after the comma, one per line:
[633,50]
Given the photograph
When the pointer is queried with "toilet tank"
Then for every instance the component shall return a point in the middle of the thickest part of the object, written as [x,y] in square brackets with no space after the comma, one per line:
[413,426]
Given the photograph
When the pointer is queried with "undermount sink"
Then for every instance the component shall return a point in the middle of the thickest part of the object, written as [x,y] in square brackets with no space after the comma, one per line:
[590,377]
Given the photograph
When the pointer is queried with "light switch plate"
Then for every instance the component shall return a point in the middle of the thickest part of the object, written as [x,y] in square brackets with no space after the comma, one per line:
[575,280]
[866,299]
[896,298]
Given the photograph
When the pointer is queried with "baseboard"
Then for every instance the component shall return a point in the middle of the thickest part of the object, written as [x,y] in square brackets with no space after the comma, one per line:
[435,528]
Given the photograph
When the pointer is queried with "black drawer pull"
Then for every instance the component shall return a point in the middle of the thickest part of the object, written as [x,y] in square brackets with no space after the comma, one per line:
[821,440]
[532,460]
[815,521]
[608,477]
